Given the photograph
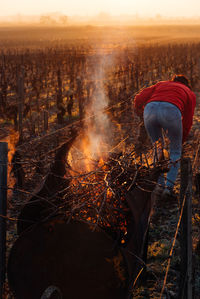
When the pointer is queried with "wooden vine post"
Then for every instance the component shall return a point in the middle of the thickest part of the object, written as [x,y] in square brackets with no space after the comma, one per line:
[3,209]
[186,230]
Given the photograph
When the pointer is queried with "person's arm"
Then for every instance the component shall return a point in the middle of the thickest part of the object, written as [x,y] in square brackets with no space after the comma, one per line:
[188,118]
[141,99]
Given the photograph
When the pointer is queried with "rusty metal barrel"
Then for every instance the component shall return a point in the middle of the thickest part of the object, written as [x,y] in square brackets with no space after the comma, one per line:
[72,258]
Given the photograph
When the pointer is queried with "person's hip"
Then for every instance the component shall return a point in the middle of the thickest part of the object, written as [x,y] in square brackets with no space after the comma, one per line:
[162,111]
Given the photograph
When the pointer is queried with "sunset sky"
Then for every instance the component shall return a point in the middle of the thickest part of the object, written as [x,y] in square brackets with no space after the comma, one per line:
[168,8]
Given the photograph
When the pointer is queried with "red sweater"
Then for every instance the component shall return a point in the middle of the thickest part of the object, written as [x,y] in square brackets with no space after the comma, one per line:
[173,92]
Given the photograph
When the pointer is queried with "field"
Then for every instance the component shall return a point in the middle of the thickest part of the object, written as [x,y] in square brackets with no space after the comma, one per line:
[56,80]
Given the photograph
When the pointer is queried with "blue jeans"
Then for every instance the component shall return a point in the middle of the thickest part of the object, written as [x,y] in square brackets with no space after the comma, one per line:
[159,116]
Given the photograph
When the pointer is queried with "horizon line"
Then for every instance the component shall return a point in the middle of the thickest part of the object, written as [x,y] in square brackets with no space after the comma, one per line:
[106,14]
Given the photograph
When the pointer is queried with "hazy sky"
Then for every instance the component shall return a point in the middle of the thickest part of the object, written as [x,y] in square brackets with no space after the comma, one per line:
[167,8]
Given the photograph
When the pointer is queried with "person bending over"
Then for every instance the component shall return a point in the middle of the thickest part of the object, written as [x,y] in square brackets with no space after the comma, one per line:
[168,106]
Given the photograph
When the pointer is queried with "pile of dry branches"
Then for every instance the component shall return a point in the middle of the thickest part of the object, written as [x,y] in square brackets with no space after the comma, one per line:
[99,197]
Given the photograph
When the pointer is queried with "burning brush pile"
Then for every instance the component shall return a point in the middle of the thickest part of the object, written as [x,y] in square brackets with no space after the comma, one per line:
[99,196]
[99,187]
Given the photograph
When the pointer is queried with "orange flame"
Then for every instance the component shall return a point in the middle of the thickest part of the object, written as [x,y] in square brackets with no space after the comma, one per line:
[11,139]
[85,156]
